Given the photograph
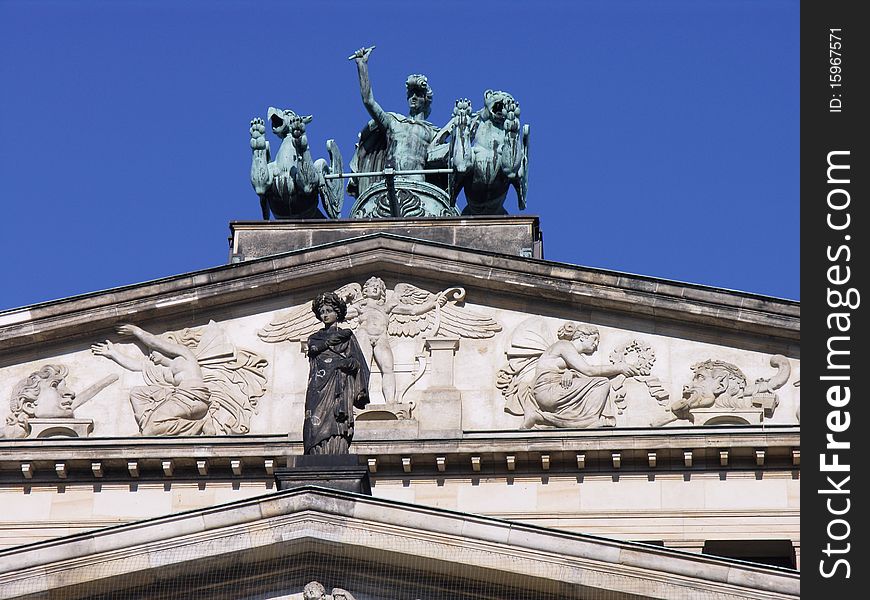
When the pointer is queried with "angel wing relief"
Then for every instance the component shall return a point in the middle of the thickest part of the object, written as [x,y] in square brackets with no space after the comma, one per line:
[377,315]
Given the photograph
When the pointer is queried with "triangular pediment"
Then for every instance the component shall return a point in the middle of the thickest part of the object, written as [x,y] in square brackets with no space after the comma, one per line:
[325,265]
[271,546]
[500,309]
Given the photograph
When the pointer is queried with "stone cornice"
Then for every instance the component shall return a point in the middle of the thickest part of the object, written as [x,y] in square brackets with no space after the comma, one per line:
[188,295]
[491,454]
[483,547]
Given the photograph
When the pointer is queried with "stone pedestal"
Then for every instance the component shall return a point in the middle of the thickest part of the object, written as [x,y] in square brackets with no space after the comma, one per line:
[728,416]
[440,409]
[511,235]
[442,350]
[334,471]
[42,428]
[440,413]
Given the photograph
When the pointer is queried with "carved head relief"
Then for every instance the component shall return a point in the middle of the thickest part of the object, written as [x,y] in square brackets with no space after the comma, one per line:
[44,394]
[375,288]
[313,591]
[712,379]
[585,336]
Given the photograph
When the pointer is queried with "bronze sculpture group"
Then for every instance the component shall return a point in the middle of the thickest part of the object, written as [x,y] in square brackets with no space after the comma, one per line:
[403,166]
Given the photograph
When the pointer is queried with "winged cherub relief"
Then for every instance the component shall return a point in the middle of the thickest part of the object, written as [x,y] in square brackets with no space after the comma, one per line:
[376,313]
[196,381]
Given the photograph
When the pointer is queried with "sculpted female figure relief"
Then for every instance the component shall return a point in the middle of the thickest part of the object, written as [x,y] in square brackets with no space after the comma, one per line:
[196,381]
[338,380]
[565,390]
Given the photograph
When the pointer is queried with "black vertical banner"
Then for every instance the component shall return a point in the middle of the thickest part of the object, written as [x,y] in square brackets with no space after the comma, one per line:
[835,431]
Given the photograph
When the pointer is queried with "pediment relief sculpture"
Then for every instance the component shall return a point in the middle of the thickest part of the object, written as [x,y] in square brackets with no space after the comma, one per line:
[641,355]
[44,398]
[376,314]
[316,591]
[197,382]
[549,382]
[719,391]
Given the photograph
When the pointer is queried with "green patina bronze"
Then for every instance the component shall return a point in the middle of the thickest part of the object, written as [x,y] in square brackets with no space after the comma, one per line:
[403,165]
[486,153]
[290,186]
[397,143]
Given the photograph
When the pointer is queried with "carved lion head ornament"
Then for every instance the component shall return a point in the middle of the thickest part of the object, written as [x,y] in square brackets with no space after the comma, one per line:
[496,105]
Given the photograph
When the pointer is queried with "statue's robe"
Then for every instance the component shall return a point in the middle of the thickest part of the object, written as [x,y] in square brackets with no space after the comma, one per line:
[163,408]
[338,381]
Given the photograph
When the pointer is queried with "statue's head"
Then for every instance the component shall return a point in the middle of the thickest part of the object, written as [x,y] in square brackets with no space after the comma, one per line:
[419,95]
[713,379]
[587,335]
[375,288]
[313,591]
[280,119]
[42,395]
[567,330]
[331,300]
[495,103]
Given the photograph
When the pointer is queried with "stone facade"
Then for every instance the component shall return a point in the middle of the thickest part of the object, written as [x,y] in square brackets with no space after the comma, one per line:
[675,422]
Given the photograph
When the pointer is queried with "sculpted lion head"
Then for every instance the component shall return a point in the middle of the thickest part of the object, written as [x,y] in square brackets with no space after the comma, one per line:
[282,118]
[495,105]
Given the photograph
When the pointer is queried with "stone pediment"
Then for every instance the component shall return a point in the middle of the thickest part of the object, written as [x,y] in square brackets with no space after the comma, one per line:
[470,364]
[271,546]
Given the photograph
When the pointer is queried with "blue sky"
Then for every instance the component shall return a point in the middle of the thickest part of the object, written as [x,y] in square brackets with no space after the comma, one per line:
[664,134]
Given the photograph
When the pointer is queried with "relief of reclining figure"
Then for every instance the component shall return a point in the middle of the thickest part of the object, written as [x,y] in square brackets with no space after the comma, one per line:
[550,383]
[197,381]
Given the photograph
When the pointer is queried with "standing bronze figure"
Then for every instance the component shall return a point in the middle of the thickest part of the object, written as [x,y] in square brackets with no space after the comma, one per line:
[338,380]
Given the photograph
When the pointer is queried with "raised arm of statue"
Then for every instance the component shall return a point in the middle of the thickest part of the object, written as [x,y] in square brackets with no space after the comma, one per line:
[157,343]
[575,361]
[361,57]
[108,350]
[399,308]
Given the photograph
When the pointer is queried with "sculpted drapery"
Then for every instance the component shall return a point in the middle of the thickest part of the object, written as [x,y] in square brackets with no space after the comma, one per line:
[338,380]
